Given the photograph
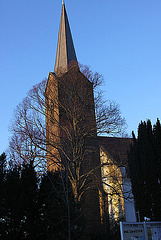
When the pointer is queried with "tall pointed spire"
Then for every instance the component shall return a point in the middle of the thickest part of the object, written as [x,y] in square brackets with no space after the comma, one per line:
[65,49]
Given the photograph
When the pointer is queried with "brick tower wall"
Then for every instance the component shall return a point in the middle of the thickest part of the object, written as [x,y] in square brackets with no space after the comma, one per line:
[61,92]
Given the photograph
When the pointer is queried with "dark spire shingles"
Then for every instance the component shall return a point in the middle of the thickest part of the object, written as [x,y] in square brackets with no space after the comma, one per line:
[65,49]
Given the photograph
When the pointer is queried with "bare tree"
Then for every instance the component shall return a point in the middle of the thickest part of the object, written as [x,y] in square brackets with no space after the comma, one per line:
[29,131]
[58,122]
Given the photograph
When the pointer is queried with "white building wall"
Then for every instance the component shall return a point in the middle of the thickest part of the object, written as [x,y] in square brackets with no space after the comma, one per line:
[129,206]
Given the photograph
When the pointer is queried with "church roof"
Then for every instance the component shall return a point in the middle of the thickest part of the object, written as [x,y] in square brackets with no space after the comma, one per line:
[65,48]
[117,148]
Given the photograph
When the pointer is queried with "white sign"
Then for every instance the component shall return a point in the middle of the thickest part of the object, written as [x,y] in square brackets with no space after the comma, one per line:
[140,231]
[132,231]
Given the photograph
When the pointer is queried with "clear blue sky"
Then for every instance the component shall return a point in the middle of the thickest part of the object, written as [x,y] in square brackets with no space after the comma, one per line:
[120,39]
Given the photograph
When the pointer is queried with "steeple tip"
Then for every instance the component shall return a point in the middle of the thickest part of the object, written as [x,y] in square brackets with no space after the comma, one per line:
[65,55]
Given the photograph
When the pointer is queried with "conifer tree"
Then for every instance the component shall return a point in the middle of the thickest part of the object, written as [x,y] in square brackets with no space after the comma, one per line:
[18,201]
[3,208]
[27,202]
[145,164]
[157,164]
[53,220]
[35,209]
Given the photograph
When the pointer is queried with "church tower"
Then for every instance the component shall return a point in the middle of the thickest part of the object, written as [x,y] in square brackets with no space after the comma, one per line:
[71,134]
